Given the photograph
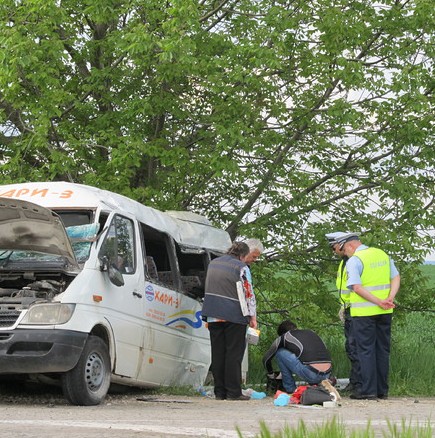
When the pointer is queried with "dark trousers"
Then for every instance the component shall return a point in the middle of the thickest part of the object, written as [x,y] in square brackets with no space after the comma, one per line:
[352,353]
[373,338]
[228,342]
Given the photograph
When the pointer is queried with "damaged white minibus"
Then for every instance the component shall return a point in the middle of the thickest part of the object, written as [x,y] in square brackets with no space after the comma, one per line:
[96,288]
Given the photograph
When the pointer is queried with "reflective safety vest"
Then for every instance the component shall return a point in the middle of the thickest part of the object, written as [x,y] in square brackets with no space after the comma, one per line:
[343,291]
[375,278]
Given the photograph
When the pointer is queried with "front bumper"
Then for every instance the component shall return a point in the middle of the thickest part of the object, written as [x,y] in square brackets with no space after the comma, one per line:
[25,351]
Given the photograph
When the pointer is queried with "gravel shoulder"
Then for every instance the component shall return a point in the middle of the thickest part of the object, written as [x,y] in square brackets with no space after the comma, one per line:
[41,412]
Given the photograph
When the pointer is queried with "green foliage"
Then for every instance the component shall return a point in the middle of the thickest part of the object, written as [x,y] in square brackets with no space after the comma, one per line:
[408,431]
[333,428]
[280,120]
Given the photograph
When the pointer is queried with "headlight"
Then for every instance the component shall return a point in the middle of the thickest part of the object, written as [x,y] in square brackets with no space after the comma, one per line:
[53,313]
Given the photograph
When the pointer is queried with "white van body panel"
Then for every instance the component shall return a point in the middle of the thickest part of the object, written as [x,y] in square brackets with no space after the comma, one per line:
[153,331]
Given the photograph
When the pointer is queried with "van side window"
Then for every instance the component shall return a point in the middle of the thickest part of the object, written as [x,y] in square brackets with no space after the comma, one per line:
[175,266]
[160,264]
[119,245]
[193,264]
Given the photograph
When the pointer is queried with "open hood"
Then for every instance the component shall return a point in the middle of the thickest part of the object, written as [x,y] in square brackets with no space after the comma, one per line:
[25,226]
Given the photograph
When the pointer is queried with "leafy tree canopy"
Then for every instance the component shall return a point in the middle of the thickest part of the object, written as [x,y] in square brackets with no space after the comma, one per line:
[278,119]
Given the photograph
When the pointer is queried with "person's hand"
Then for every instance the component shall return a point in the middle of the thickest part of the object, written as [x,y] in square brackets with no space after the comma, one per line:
[386,304]
[341,314]
[253,322]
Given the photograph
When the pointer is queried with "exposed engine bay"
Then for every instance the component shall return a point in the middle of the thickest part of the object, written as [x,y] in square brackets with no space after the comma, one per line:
[37,258]
[18,291]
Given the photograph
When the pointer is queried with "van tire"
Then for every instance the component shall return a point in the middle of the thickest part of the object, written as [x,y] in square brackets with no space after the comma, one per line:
[88,382]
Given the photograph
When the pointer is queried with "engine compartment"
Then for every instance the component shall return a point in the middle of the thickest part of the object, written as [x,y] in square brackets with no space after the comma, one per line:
[20,290]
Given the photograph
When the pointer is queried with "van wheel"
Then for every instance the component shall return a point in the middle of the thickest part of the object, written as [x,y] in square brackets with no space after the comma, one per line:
[88,382]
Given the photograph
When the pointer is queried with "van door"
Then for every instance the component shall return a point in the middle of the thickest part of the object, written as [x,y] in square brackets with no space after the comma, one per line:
[175,344]
[120,251]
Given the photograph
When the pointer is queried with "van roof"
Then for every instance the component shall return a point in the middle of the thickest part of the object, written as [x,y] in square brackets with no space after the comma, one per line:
[187,228]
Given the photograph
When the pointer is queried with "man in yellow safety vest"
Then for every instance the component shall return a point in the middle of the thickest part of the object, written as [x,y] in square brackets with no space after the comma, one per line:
[374,281]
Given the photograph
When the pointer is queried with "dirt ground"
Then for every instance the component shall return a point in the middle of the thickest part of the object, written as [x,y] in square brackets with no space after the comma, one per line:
[37,413]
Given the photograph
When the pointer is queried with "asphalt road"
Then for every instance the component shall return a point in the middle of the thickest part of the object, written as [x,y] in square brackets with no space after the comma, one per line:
[36,413]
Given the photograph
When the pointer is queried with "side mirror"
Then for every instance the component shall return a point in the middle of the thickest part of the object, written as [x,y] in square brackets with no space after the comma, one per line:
[115,276]
[113,272]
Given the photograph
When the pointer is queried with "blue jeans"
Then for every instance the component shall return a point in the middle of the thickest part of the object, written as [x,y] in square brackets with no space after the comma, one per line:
[289,364]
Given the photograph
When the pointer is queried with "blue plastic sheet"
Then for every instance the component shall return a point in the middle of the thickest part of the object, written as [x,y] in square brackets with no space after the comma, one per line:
[81,237]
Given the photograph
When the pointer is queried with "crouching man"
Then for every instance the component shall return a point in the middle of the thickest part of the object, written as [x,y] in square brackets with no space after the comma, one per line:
[300,352]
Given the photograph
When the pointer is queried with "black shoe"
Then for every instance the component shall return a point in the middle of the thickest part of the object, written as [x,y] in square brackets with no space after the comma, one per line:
[240,397]
[350,388]
[357,396]
[383,396]
[220,397]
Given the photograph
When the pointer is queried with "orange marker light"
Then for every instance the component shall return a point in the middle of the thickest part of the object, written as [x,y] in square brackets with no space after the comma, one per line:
[97,298]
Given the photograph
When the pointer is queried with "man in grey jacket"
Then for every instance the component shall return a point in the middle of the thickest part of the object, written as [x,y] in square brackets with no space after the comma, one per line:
[227,314]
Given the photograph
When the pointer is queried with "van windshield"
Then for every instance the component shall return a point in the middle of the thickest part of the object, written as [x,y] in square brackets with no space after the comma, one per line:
[81,237]
[12,258]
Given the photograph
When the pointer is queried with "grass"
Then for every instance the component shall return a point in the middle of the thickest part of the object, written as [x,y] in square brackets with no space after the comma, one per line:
[334,429]
[412,358]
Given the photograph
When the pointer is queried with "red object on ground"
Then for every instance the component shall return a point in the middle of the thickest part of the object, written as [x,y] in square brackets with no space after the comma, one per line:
[296,396]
